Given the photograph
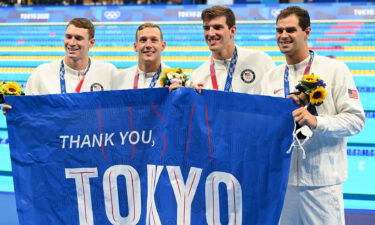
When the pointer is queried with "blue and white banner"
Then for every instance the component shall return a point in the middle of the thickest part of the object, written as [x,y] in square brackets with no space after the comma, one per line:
[150,157]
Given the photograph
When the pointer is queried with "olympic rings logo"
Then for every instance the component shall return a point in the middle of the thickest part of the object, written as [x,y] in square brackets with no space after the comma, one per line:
[112,15]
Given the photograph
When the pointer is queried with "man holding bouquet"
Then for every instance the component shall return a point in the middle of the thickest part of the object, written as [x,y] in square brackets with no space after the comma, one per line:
[76,71]
[319,164]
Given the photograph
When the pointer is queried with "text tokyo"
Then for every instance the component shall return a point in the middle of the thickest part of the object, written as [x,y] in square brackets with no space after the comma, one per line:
[183,193]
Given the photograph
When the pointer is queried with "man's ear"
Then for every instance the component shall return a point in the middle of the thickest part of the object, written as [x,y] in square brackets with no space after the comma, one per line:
[308,32]
[92,42]
[135,47]
[233,31]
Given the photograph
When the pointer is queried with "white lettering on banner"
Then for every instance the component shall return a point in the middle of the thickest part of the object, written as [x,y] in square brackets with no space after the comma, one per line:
[234,193]
[82,180]
[108,139]
[153,174]
[63,137]
[86,141]
[96,140]
[184,193]
[133,137]
[133,189]
[74,141]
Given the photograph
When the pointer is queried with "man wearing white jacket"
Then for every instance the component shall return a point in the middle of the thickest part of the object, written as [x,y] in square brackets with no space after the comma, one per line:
[230,68]
[149,45]
[76,72]
[319,162]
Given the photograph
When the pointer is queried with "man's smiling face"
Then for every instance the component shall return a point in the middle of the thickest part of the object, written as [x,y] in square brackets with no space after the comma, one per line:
[149,45]
[77,43]
[289,35]
[217,34]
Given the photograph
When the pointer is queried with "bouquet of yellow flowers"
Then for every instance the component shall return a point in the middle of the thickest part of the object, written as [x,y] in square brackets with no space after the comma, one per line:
[312,89]
[172,75]
[9,88]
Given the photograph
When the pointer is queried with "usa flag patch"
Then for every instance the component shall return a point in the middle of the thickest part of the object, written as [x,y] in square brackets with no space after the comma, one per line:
[353,93]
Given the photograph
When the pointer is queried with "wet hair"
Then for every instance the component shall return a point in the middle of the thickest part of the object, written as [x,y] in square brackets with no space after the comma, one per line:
[217,11]
[148,25]
[302,15]
[85,24]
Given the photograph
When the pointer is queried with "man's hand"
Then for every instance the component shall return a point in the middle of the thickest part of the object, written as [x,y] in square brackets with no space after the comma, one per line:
[174,86]
[304,117]
[198,87]
[296,99]
[5,108]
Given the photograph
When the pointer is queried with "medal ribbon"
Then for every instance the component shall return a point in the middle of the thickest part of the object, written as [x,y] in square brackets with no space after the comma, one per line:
[286,73]
[62,78]
[155,78]
[232,67]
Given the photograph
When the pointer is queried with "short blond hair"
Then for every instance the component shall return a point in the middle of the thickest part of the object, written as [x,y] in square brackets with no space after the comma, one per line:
[148,25]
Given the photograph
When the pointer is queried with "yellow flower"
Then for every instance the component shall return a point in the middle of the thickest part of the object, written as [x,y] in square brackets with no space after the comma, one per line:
[318,95]
[1,84]
[169,70]
[11,88]
[311,78]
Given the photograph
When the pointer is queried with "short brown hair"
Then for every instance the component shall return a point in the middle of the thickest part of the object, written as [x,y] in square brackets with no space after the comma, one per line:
[148,25]
[302,15]
[83,23]
[219,10]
